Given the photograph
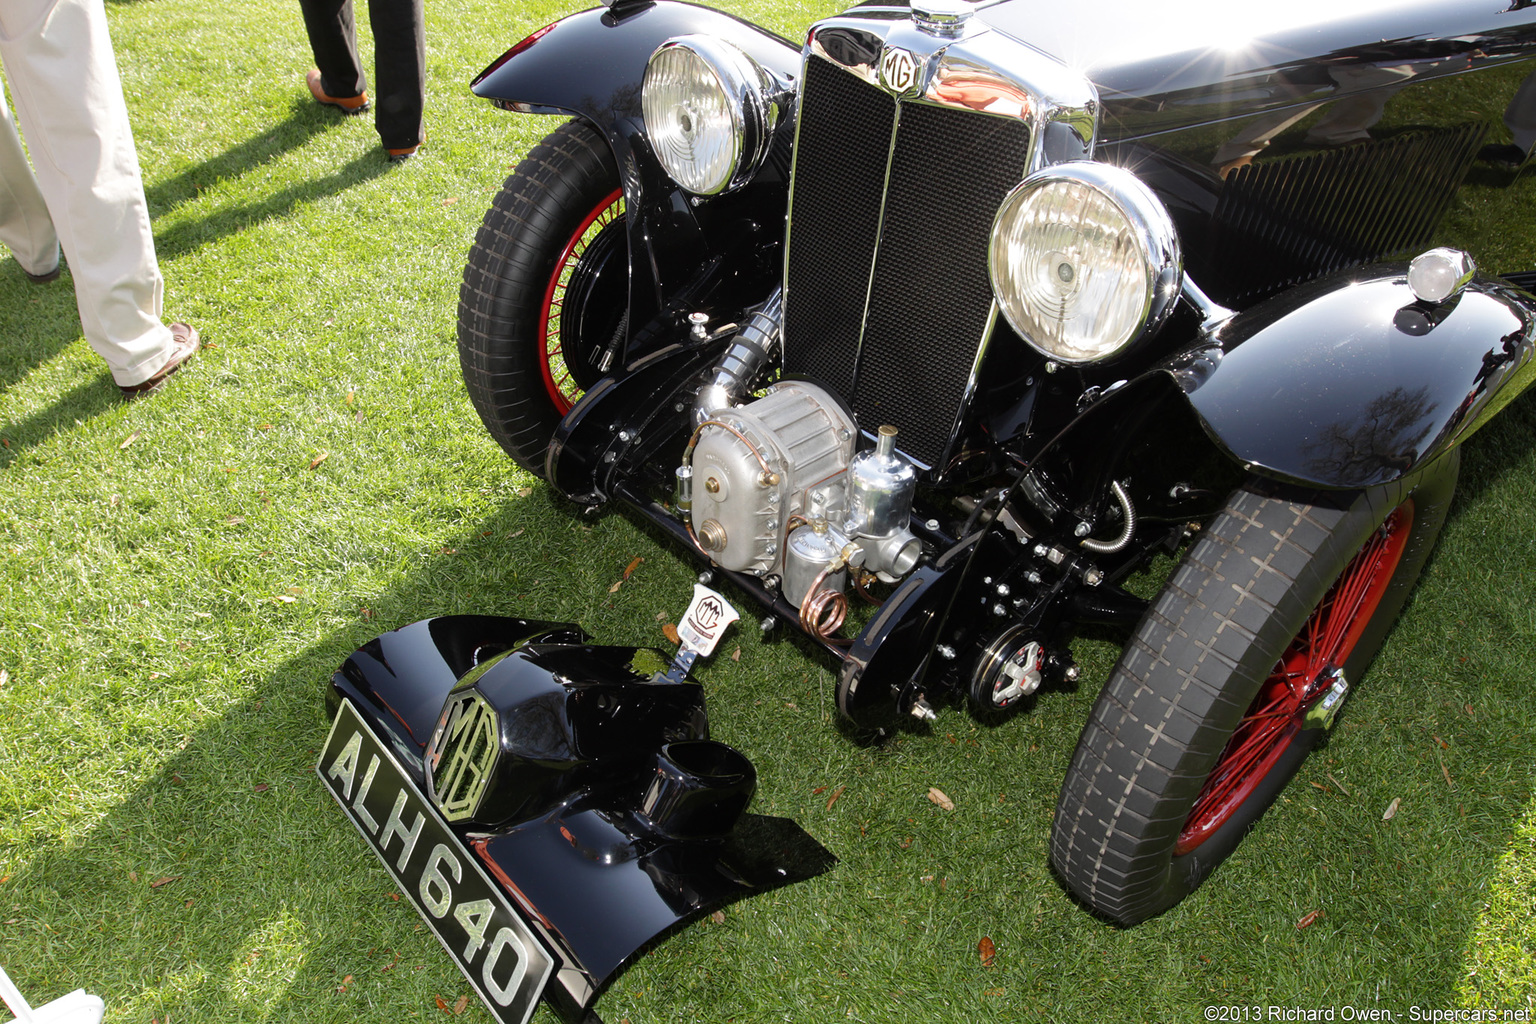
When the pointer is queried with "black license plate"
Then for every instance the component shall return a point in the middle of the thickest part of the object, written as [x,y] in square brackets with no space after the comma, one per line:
[470,915]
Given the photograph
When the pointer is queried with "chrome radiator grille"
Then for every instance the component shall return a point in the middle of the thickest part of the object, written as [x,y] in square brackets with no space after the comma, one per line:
[886,291]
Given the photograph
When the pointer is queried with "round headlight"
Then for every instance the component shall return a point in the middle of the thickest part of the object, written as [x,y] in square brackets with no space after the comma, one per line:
[707,113]
[1084,261]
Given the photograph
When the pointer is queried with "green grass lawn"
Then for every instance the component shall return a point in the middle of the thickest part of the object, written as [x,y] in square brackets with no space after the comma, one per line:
[179,576]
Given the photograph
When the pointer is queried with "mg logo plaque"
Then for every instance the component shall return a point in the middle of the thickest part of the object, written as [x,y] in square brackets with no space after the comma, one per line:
[898,70]
[461,755]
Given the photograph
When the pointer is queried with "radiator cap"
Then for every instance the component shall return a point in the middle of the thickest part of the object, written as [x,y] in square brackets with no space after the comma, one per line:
[942,17]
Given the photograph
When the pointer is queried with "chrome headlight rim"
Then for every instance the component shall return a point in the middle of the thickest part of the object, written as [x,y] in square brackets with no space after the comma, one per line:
[1149,224]
[744,85]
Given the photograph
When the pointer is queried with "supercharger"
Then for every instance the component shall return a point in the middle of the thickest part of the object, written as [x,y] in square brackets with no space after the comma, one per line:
[773,487]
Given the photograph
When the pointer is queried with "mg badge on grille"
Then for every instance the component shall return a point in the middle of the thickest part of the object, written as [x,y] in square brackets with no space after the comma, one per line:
[462,754]
[898,70]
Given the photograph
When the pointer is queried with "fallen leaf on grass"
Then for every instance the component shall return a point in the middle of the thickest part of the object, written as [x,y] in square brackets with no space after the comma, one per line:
[319,459]
[835,794]
[633,565]
[937,796]
[736,654]
[1336,782]
[1391,808]
[523,492]
[167,880]
[1443,745]
[262,787]
[285,599]
[131,438]
[988,950]
[459,1005]
[5,677]
[615,588]
[1308,920]
[1443,771]
[670,631]
[906,843]
[442,1004]
[718,917]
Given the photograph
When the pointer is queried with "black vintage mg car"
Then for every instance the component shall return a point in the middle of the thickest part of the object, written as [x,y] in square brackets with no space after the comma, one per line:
[927,332]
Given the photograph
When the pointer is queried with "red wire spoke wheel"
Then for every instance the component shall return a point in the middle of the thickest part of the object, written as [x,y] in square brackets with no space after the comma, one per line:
[1208,714]
[1298,681]
[543,307]
[559,380]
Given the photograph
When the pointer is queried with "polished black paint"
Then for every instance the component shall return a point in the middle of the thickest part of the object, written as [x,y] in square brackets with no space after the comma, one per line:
[591,65]
[1162,67]
[612,817]
[1352,382]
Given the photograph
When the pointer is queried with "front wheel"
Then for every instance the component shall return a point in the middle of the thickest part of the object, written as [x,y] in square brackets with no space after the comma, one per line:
[1231,678]
[546,286]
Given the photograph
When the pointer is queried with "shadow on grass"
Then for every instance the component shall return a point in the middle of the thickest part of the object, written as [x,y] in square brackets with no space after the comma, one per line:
[233,856]
[187,237]
[37,322]
[305,121]
[81,402]
[212,892]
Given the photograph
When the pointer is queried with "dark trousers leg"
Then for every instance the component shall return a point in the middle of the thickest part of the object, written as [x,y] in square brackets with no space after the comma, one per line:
[333,38]
[399,70]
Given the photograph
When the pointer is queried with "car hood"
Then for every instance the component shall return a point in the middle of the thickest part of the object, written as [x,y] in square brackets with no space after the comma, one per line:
[1164,66]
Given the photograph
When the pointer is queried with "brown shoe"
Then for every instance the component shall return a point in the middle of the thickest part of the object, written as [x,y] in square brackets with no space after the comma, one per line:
[348,105]
[184,343]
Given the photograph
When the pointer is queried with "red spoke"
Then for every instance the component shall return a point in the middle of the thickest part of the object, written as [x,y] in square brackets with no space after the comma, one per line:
[1301,676]
[558,381]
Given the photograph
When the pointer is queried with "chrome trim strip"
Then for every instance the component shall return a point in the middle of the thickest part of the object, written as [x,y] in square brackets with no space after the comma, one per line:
[980,70]
[789,215]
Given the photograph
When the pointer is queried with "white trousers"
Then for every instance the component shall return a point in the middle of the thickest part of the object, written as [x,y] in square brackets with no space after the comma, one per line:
[25,227]
[57,57]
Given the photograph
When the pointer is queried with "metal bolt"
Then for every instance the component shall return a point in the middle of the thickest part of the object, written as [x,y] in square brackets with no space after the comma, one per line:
[768,624]
[923,711]
[1003,590]
[609,457]
[999,610]
[932,524]
[1041,551]
[1082,530]
[1034,577]
[945,651]
[706,577]
[625,436]
[1093,577]
[1072,673]
[712,485]
[1052,367]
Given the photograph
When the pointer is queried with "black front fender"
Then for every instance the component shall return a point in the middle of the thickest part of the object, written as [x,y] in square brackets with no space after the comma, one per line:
[1351,382]
[591,65]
